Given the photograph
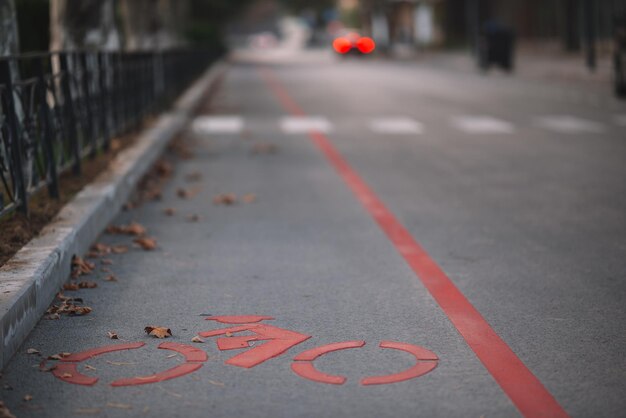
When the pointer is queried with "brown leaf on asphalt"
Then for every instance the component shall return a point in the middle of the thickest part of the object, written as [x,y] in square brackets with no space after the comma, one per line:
[226,199]
[169,211]
[59,356]
[163,168]
[112,335]
[119,249]
[134,228]
[146,243]
[110,278]
[70,286]
[87,411]
[99,250]
[28,398]
[87,285]
[193,218]
[88,367]
[5,412]
[197,339]
[263,148]
[248,198]
[158,332]
[106,261]
[43,368]
[52,317]
[115,144]
[81,267]
[33,351]
[185,193]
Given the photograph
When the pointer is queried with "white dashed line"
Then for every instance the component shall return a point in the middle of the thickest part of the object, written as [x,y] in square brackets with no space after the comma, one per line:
[218,125]
[569,124]
[482,125]
[302,125]
[396,126]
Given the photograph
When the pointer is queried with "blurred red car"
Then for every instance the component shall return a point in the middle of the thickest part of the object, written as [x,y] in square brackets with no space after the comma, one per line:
[353,44]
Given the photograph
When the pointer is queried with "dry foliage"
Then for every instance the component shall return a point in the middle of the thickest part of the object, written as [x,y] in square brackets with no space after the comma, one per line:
[110,278]
[193,218]
[146,243]
[33,351]
[158,332]
[134,228]
[187,193]
[119,249]
[68,306]
[226,199]
[248,198]
[4,411]
[169,211]
[112,335]
[81,267]
[197,339]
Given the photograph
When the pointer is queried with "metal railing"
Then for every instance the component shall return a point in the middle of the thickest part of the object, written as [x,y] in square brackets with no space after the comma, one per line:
[58,109]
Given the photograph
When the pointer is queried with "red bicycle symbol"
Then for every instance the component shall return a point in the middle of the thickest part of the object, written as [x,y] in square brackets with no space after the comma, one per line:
[274,341]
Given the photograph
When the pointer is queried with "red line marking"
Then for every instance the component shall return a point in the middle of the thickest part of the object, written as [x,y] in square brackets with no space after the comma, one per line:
[516,380]
[84,355]
[239,319]
[192,354]
[426,362]
[307,370]
[314,353]
[69,373]
[174,372]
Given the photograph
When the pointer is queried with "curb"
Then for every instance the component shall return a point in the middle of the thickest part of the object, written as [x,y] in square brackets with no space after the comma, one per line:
[30,280]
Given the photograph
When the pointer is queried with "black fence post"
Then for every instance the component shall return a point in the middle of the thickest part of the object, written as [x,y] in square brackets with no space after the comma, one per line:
[89,128]
[68,106]
[103,77]
[46,134]
[15,141]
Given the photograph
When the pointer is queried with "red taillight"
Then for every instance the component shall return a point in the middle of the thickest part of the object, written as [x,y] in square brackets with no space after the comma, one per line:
[366,45]
[342,45]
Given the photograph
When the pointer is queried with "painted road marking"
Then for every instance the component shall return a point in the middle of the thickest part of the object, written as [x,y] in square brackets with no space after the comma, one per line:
[521,386]
[303,125]
[482,125]
[273,342]
[218,125]
[567,124]
[426,361]
[396,126]
[67,369]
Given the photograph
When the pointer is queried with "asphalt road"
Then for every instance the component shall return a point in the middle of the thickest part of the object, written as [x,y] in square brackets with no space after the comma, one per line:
[515,189]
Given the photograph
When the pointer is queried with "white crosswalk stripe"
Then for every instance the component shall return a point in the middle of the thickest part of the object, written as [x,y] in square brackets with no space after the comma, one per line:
[568,124]
[218,125]
[482,125]
[304,124]
[396,126]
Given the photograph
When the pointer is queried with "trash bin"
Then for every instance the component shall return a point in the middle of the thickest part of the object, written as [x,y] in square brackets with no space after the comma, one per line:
[619,56]
[496,46]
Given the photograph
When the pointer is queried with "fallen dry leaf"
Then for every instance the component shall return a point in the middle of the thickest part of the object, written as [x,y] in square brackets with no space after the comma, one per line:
[70,286]
[87,285]
[88,367]
[193,218]
[115,144]
[225,199]
[146,243]
[163,168]
[184,193]
[119,363]
[197,339]
[119,249]
[119,405]
[169,211]
[67,375]
[158,332]
[110,278]
[52,316]
[59,356]
[248,198]
[28,398]
[5,412]
[106,261]
[32,351]
[112,335]
[134,228]
[81,267]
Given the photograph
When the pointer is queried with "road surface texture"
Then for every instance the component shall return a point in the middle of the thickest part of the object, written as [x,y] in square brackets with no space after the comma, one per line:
[480,218]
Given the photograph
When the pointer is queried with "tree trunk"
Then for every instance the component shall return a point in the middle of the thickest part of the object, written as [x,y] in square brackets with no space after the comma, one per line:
[83,24]
[9,42]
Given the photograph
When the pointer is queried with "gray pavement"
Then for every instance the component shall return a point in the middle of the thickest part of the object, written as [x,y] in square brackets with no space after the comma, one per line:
[516,189]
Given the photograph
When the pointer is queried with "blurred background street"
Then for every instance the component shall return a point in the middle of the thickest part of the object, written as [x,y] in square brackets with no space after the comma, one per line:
[448,175]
